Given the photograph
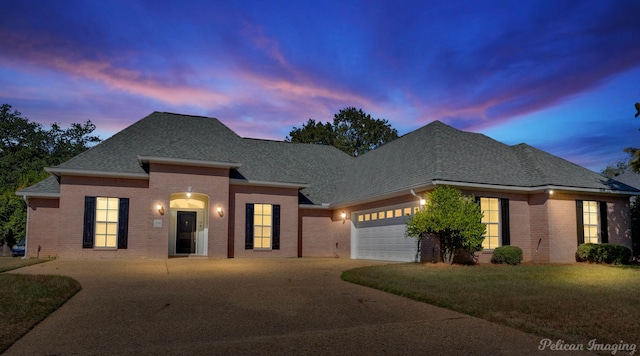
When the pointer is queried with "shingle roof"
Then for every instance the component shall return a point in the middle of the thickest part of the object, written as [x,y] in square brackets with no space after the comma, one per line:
[46,187]
[198,138]
[629,178]
[159,135]
[276,161]
[435,152]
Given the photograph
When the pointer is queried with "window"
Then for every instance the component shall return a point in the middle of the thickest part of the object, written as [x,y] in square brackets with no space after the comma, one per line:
[262,228]
[590,221]
[491,218]
[262,221]
[106,222]
[375,218]
[592,224]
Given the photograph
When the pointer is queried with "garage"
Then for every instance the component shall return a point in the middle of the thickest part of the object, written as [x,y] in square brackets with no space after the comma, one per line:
[379,235]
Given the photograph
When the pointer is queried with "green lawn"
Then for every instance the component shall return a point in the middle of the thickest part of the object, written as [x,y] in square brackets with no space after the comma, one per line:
[25,300]
[570,302]
[9,263]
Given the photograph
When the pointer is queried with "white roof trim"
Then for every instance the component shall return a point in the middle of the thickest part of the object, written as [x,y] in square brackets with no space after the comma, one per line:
[235,181]
[390,195]
[323,206]
[537,189]
[92,173]
[38,195]
[188,162]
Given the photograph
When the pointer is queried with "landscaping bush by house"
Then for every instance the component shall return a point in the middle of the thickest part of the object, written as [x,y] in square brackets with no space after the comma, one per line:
[507,254]
[603,253]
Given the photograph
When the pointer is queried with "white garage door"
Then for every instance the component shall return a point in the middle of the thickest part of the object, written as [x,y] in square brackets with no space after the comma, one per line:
[386,243]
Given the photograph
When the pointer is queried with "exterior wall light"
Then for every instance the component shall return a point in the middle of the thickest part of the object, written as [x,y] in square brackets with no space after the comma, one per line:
[343,216]
[160,209]
[550,191]
[219,210]
[423,202]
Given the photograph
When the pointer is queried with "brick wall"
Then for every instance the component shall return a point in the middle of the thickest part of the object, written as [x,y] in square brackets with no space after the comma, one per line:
[43,227]
[71,215]
[619,222]
[563,229]
[287,198]
[563,235]
[213,183]
[325,234]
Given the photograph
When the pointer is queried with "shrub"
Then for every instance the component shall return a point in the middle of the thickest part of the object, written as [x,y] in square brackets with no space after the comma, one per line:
[603,253]
[507,254]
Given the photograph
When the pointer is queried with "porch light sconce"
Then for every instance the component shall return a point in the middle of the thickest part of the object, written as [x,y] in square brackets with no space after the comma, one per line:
[219,210]
[160,209]
[343,216]
[423,202]
[550,191]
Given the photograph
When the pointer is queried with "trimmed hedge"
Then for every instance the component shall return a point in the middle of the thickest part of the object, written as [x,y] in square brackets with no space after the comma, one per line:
[603,253]
[507,254]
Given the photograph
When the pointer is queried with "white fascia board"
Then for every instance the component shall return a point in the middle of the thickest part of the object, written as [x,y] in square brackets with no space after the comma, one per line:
[493,187]
[92,173]
[188,162]
[257,183]
[537,189]
[323,206]
[38,195]
[390,195]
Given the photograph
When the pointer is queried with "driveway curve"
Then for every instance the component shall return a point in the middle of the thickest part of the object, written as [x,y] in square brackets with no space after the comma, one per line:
[250,306]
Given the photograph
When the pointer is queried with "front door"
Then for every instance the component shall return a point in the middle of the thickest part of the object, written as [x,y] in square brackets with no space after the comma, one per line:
[186,232]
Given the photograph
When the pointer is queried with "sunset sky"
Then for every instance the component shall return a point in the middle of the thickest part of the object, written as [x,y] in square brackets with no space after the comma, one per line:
[562,76]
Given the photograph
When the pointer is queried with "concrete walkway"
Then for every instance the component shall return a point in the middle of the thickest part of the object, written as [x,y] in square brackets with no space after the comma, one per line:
[250,306]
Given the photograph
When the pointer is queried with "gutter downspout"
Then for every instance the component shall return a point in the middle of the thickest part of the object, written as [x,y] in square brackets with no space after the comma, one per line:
[26,228]
[418,242]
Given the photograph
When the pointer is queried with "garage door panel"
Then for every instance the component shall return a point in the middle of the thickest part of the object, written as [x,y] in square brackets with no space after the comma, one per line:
[384,243]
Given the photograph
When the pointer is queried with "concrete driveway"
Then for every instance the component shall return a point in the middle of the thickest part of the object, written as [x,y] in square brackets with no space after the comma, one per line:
[249,306]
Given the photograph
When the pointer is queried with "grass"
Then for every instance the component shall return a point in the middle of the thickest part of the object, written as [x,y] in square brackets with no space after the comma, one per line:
[25,300]
[575,303]
[9,263]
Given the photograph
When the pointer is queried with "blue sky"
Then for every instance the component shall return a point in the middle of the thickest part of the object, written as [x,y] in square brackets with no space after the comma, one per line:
[562,76]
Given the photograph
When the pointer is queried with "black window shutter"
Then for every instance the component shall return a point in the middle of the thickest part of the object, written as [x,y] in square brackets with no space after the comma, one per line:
[604,227]
[504,220]
[89,222]
[123,223]
[248,228]
[275,243]
[579,222]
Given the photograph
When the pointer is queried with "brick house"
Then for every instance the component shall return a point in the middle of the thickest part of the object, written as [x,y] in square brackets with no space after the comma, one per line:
[176,185]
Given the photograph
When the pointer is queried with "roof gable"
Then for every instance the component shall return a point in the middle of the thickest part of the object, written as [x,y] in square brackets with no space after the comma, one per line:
[158,135]
[440,153]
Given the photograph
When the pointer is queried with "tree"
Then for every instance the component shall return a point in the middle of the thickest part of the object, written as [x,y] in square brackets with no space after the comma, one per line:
[634,153]
[634,160]
[454,220]
[616,169]
[313,132]
[25,149]
[353,132]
